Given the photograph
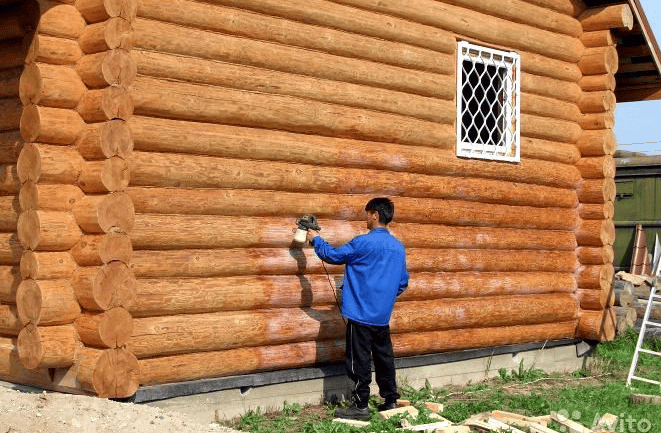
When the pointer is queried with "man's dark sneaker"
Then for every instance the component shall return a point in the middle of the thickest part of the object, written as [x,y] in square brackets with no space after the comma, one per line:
[387,406]
[353,412]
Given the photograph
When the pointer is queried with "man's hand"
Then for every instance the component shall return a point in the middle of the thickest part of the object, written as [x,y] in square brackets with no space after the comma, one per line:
[311,235]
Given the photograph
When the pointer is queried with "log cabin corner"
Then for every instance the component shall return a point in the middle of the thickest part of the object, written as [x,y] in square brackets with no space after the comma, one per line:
[155,157]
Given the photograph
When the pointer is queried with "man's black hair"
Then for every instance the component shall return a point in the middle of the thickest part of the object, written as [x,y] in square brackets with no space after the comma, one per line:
[384,207]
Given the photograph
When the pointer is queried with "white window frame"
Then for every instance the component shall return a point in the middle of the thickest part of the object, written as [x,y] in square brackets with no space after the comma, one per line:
[509,146]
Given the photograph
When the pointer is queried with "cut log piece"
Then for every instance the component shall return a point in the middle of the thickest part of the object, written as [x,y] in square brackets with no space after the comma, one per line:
[47,346]
[239,202]
[246,360]
[48,230]
[597,102]
[607,17]
[168,38]
[95,11]
[597,167]
[596,191]
[50,125]
[100,105]
[640,305]
[51,86]
[106,139]
[595,299]
[597,325]
[267,261]
[8,213]
[237,22]
[595,255]
[52,50]
[169,296]
[605,120]
[49,197]
[105,287]
[624,299]
[11,368]
[10,324]
[626,318]
[589,211]
[105,213]
[110,329]
[600,60]
[9,82]
[11,110]
[598,83]
[111,373]
[156,170]
[10,278]
[161,232]
[107,35]
[597,143]
[163,135]
[10,250]
[46,302]
[97,250]
[203,332]
[45,163]
[114,67]
[108,175]
[596,277]
[60,20]
[46,265]
[597,38]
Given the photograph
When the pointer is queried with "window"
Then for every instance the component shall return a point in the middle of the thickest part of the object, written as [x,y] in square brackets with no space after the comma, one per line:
[488,103]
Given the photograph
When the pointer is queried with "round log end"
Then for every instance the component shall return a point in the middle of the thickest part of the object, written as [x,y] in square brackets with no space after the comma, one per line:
[119,34]
[28,301]
[117,374]
[29,264]
[116,174]
[30,349]
[116,211]
[30,123]
[114,286]
[126,9]
[116,246]
[116,327]
[28,229]
[117,103]
[118,68]
[116,139]
[30,84]
[28,196]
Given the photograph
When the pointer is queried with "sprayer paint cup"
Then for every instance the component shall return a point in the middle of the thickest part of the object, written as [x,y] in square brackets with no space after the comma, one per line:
[300,235]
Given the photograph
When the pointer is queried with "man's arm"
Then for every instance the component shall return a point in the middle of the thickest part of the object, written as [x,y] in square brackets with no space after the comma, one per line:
[404,281]
[329,253]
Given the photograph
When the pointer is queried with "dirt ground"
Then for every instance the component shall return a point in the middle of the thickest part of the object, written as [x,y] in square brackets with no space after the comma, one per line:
[34,412]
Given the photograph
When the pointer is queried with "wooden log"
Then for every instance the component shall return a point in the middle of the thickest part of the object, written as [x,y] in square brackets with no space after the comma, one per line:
[52,50]
[550,87]
[606,18]
[599,60]
[8,213]
[47,265]
[168,38]
[48,197]
[596,190]
[14,23]
[11,368]
[550,107]
[11,110]
[624,299]
[47,346]
[595,256]
[108,175]
[11,144]
[231,362]
[46,163]
[115,33]
[277,261]
[105,140]
[10,250]
[162,232]
[163,135]
[110,329]
[596,277]
[625,319]
[111,373]
[47,230]
[598,83]
[170,296]
[240,202]
[201,71]
[596,325]
[50,125]
[597,102]
[105,213]
[10,278]
[9,181]
[596,167]
[595,233]
[51,85]
[10,324]
[597,143]
[106,104]
[107,68]
[603,211]
[60,20]
[550,129]
[9,81]
[640,305]
[595,299]
[604,120]
[46,302]
[12,53]
[97,250]
[237,22]
[549,150]
[95,11]
[153,336]
[154,169]
[597,38]
[623,285]
[105,287]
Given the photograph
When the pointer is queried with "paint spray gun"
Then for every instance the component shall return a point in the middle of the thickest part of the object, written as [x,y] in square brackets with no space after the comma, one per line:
[305,223]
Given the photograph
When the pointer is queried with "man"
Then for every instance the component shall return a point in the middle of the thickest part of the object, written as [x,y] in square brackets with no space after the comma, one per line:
[375,275]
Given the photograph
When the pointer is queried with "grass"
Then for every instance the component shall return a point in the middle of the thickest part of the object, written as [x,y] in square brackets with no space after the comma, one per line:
[583,396]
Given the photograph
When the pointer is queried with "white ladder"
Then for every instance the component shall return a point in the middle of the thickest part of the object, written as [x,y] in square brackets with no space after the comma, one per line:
[641,337]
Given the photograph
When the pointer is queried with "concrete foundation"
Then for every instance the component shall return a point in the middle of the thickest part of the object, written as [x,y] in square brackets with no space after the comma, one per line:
[231,397]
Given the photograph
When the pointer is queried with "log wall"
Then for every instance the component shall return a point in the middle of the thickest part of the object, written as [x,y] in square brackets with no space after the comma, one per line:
[165,153]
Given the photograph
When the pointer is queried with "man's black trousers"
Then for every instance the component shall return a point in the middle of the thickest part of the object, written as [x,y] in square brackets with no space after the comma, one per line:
[363,341]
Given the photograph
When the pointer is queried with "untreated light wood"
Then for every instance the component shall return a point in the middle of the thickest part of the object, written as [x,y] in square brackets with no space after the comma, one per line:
[47,230]
[95,11]
[596,190]
[597,102]
[60,20]
[12,110]
[597,325]
[46,302]
[10,278]
[618,16]
[10,252]
[104,287]
[595,233]
[49,164]
[47,346]
[52,50]
[599,60]
[96,250]
[11,144]
[597,83]
[550,129]
[50,125]
[105,213]
[107,35]
[9,211]
[109,103]
[105,140]
[51,86]
[156,170]
[9,81]
[47,265]
[48,196]
[595,255]
[603,120]
[597,38]
[550,87]
[110,373]
[550,107]
[10,324]
[589,211]
[11,367]
[114,67]
[110,329]
[107,175]
[597,143]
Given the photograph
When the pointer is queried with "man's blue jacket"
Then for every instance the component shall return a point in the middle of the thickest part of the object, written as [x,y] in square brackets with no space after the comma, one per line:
[375,274]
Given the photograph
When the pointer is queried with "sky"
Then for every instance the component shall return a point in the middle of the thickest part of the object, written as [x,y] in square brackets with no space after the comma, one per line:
[638,124]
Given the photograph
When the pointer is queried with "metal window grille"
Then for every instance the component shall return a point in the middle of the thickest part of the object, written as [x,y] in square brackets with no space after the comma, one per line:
[488,99]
